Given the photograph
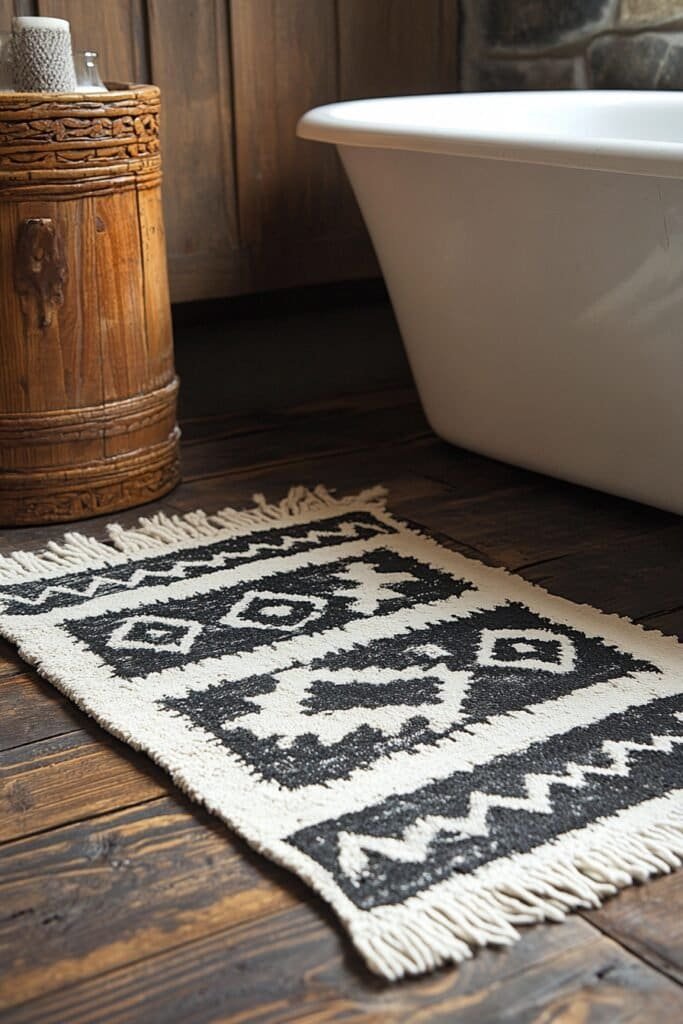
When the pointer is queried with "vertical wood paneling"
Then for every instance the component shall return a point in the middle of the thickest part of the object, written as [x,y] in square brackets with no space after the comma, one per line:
[247,205]
[395,47]
[6,14]
[22,7]
[115,28]
[284,62]
[190,53]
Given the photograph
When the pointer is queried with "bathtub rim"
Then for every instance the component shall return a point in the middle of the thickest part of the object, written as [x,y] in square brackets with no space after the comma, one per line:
[631,156]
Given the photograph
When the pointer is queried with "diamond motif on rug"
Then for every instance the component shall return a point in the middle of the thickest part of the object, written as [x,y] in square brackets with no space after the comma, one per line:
[539,649]
[443,751]
[154,633]
[265,610]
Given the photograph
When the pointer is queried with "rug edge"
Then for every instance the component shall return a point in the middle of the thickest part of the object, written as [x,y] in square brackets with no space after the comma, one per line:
[448,923]
[160,533]
[389,952]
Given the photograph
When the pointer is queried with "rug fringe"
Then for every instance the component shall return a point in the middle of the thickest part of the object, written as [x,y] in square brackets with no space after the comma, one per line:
[447,923]
[156,534]
[453,918]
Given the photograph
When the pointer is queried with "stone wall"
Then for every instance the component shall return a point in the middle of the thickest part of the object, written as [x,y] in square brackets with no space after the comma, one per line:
[564,44]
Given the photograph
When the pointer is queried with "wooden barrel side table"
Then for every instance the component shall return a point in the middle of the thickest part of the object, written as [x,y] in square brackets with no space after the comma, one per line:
[87,381]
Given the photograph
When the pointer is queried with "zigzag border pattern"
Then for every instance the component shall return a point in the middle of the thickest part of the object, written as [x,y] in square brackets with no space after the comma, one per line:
[415,842]
[233,553]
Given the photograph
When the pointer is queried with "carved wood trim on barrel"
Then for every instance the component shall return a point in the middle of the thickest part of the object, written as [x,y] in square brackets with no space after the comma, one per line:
[88,387]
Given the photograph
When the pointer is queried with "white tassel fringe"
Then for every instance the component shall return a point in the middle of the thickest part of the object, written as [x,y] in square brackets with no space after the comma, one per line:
[447,923]
[160,533]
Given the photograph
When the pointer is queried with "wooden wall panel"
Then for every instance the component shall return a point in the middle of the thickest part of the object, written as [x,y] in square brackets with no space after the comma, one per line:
[248,206]
[6,13]
[9,9]
[115,28]
[395,47]
[190,53]
[284,62]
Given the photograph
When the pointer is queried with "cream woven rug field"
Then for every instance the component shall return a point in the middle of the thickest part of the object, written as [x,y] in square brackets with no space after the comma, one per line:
[441,750]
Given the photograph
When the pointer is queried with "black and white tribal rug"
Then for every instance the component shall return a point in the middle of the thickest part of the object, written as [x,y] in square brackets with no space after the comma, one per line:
[441,750]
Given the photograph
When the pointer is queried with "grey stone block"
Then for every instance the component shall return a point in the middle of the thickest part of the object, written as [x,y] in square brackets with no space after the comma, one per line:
[649,60]
[649,13]
[507,75]
[536,24]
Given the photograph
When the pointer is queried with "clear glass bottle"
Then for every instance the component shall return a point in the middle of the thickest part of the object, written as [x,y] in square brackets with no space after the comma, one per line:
[87,72]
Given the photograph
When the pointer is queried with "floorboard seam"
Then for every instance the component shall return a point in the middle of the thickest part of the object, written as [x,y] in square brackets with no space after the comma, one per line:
[174,948]
[654,615]
[307,457]
[40,739]
[622,944]
[82,821]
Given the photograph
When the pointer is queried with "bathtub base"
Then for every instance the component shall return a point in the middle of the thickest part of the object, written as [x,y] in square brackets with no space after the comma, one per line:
[541,310]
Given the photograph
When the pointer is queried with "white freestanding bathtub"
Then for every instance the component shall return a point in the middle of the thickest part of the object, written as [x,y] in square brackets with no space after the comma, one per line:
[532,244]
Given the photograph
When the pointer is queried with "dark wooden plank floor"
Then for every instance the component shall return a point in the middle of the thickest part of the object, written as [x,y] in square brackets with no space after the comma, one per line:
[121,902]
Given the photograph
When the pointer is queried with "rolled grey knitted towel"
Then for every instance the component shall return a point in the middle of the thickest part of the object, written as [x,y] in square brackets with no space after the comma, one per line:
[41,55]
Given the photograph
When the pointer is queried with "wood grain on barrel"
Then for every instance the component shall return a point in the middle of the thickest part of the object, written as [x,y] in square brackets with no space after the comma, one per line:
[88,390]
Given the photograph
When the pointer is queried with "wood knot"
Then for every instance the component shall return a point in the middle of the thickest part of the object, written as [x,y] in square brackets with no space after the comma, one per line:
[40,270]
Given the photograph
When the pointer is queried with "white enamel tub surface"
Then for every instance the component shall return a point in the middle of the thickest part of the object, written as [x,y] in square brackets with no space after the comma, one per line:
[532,244]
